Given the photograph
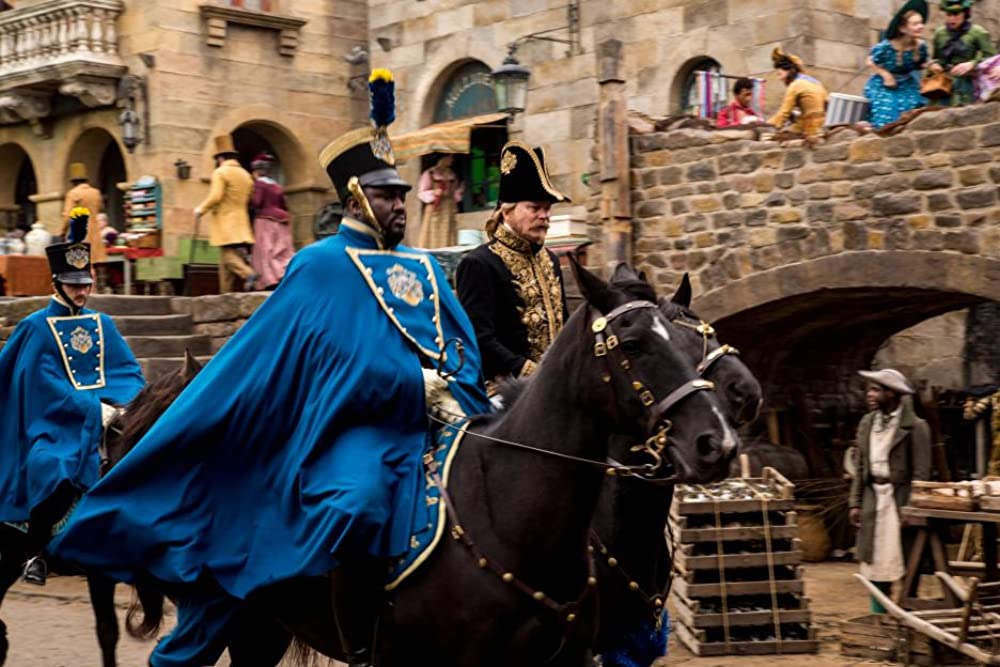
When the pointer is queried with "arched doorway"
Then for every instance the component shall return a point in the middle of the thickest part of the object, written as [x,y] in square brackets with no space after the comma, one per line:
[101,155]
[18,175]
[695,92]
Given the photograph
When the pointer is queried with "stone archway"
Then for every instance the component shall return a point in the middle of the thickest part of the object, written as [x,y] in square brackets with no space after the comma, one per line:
[100,153]
[17,183]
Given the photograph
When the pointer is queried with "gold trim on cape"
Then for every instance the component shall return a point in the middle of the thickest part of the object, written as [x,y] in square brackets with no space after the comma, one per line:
[537,286]
[62,350]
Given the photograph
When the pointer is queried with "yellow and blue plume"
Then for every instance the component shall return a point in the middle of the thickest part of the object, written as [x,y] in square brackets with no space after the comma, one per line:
[382,97]
[79,218]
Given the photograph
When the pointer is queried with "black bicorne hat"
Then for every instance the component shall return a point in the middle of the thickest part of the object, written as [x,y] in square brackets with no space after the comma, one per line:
[70,261]
[523,176]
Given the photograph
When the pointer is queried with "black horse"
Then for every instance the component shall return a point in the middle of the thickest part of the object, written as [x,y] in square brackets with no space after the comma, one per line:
[516,583]
[128,426]
[632,555]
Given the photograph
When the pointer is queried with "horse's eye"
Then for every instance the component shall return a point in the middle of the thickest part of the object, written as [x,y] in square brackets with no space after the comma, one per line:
[631,347]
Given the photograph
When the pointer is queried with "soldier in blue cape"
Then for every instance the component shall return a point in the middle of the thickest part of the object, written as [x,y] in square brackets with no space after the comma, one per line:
[297,451]
[61,373]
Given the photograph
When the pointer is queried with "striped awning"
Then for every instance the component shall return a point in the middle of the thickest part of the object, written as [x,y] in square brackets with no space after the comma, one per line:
[449,137]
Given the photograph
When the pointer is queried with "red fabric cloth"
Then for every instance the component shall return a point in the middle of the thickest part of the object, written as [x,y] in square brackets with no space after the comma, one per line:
[135,253]
[268,200]
[733,114]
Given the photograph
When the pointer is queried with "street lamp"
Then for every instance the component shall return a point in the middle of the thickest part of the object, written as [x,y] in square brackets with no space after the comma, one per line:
[129,121]
[510,83]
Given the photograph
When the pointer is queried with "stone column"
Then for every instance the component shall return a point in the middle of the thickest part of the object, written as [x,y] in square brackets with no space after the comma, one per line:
[613,154]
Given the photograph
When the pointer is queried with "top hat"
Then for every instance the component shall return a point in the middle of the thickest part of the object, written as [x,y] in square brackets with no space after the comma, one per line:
[919,6]
[262,159]
[366,153]
[889,378]
[70,261]
[224,146]
[955,6]
[524,177]
[77,171]
[777,55]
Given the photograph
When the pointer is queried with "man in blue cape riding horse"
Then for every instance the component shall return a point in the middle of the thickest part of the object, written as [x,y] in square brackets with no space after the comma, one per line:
[61,373]
[297,451]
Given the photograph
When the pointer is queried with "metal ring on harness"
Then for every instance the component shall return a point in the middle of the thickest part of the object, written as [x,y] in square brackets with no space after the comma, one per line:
[442,372]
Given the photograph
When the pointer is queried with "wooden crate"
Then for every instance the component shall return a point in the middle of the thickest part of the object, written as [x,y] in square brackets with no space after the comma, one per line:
[689,613]
[712,498]
[685,561]
[686,586]
[874,637]
[705,648]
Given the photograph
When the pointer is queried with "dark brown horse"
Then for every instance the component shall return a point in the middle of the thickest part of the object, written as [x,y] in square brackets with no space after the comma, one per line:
[632,514]
[523,593]
[128,426]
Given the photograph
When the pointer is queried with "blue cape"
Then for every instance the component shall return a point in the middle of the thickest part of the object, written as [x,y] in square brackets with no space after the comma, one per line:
[55,371]
[300,443]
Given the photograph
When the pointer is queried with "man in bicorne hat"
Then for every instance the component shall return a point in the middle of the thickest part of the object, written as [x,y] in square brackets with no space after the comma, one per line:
[61,373]
[329,426]
[229,202]
[512,286]
[84,195]
[894,448]
[804,93]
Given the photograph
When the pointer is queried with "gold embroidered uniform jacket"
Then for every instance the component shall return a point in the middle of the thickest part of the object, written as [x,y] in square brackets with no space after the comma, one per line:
[513,293]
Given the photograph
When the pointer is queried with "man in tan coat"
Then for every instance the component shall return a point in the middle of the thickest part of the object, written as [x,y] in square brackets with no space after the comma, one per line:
[228,200]
[86,195]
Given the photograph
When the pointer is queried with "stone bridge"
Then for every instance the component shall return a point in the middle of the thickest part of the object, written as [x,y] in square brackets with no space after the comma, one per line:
[810,258]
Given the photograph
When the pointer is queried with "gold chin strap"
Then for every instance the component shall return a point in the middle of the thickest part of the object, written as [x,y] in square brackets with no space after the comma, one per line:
[354,187]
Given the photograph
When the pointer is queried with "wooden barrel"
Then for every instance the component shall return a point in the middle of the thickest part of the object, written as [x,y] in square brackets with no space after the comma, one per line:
[814,540]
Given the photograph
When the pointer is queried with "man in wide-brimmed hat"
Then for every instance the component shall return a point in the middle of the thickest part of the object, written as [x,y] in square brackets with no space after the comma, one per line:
[511,286]
[894,448]
[959,46]
[61,371]
[229,203]
[804,93]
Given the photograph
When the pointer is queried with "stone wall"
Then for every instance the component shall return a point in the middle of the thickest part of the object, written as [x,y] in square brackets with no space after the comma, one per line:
[219,316]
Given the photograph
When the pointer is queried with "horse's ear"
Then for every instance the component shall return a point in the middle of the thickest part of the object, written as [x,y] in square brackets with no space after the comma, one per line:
[643,278]
[191,366]
[594,290]
[683,294]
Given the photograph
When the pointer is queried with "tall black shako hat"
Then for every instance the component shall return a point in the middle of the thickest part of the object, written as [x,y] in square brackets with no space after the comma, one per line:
[918,6]
[524,177]
[365,154]
[70,261]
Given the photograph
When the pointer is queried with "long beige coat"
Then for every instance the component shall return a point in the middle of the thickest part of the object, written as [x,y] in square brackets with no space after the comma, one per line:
[909,459]
[86,195]
[228,201]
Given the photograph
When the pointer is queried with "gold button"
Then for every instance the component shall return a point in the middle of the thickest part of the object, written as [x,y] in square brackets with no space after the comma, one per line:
[507,577]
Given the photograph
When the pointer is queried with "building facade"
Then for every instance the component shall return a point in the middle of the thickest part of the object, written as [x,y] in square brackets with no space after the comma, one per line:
[274,73]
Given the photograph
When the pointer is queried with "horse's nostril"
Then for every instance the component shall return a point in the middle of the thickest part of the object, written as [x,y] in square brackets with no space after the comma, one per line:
[708,446]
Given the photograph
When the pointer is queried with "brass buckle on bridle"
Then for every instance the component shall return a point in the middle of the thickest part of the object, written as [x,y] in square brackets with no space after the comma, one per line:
[654,446]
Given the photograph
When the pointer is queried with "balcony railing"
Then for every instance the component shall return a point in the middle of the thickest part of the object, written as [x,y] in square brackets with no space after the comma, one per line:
[65,46]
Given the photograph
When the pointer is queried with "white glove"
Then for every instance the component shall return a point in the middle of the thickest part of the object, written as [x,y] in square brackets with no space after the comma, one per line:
[440,403]
[108,413]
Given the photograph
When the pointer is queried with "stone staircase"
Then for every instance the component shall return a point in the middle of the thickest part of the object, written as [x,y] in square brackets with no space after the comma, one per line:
[157,335]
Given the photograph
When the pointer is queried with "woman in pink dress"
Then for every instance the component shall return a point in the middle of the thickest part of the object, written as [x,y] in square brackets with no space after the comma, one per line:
[273,248]
[440,191]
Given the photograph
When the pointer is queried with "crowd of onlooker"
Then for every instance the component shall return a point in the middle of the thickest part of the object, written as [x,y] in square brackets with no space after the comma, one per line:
[958,66]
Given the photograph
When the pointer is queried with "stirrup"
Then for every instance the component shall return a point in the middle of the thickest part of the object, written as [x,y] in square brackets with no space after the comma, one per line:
[35,571]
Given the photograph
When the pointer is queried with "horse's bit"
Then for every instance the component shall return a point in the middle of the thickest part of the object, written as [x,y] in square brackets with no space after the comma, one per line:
[606,346]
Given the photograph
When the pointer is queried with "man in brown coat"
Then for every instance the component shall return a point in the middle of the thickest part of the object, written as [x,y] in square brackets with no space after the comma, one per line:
[894,448]
[86,195]
[229,200]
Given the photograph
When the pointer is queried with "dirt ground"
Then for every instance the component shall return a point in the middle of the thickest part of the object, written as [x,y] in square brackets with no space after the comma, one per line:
[54,626]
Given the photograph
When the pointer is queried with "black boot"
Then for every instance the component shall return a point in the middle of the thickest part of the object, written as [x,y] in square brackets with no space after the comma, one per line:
[35,571]
[356,592]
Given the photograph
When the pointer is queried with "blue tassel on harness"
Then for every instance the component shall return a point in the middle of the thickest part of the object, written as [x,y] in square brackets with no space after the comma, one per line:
[642,646]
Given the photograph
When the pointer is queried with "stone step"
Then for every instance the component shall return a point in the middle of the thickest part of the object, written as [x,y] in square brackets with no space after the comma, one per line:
[114,304]
[153,325]
[168,346]
[155,367]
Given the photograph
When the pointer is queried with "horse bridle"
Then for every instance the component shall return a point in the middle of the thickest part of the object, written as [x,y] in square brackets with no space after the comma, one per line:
[607,346]
[707,331]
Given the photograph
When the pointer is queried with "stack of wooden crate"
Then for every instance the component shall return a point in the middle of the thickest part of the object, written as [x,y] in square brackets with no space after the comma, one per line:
[739,587]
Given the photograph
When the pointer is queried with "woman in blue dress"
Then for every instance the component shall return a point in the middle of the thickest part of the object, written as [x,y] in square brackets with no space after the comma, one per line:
[897,60]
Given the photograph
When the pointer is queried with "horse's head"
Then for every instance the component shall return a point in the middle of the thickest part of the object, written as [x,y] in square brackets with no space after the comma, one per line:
[656,394]
[740,394]
[142,411]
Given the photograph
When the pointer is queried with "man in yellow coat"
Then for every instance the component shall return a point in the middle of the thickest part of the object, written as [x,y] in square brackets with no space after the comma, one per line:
[229,200]
[804,93]
[86,195]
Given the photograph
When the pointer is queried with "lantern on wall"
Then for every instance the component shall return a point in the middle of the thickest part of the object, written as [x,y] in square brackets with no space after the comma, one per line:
[510,83]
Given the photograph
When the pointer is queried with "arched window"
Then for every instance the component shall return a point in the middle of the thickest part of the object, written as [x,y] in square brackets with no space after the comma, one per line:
[468,92]
[701,95]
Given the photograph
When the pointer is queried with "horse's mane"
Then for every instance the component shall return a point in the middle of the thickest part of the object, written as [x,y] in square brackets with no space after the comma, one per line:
[151,402]
[510,390]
